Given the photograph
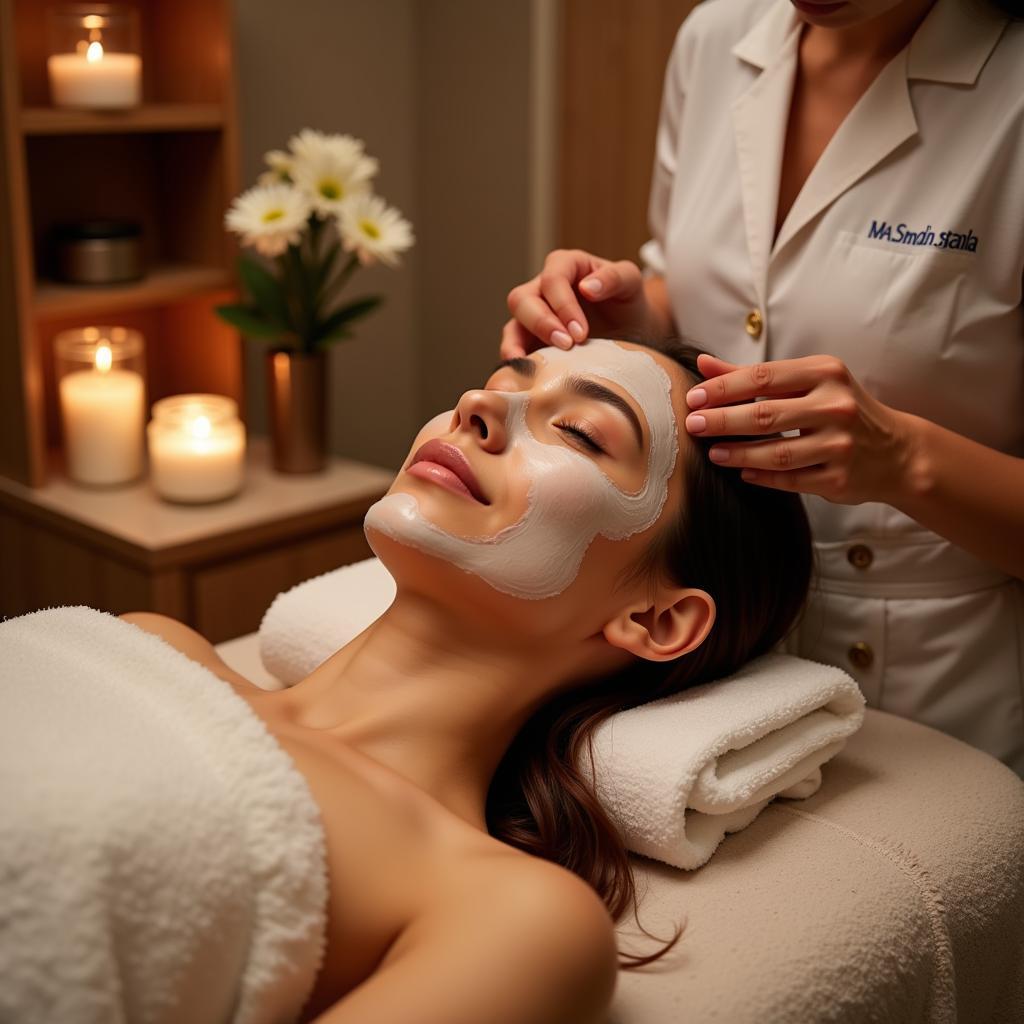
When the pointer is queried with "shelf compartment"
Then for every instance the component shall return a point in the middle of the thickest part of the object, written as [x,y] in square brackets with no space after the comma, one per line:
[164,283]
[170,183]
[188,348]
[150,117]
[183,51]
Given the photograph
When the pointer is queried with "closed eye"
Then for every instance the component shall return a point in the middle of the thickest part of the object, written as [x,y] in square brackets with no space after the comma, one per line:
[579,430]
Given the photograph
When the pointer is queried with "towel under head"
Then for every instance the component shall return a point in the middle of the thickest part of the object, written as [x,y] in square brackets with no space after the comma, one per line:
[675,775]
[161,857]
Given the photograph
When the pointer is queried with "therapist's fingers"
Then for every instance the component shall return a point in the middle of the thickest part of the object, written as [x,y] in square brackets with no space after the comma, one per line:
[735,383]
[785,453]
[559,294]
[563,269]
[516,340]
[527,305]
[771,416]
[619,280]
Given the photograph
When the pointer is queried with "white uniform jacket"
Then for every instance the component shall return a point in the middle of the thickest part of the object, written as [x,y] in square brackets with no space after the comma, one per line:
[903,255]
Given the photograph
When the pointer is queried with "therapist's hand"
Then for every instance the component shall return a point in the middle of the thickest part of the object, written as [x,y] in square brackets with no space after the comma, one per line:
[852,448]
[577,295]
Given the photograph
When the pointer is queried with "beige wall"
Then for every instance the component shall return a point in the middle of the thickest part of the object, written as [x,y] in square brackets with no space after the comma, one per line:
[472,135]
[440,92]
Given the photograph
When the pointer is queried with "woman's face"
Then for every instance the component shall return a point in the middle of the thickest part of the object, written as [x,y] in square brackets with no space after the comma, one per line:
[556,516]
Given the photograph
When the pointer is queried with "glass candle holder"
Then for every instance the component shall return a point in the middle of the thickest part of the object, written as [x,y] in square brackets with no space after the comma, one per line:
[94,57]
[196,448]
[102,402]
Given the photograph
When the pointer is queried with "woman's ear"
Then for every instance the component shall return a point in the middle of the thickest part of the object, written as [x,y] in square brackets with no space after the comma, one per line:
[676,623]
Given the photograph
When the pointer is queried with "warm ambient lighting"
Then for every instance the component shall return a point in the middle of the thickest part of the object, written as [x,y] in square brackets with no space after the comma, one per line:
[93,63]
[196,448]
[102,403]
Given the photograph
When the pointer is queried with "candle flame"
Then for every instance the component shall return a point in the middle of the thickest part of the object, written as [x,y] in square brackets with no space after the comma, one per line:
[95,52]
[104,358]
[200,427]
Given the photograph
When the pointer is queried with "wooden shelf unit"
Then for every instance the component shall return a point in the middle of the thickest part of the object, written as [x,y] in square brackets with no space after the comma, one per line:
[162,284]
[170,164]
[150,117]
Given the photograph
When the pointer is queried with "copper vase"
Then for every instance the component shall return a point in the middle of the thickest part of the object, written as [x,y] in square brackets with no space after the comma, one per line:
[297,402]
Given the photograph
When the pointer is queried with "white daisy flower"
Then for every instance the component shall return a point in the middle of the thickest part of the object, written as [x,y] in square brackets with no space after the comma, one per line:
[269,217]
[280,164]
[311,144]
[330,168]
[373,230]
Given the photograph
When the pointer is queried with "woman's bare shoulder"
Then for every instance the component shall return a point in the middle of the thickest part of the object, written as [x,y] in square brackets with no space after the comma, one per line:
[521,940]
[191,643]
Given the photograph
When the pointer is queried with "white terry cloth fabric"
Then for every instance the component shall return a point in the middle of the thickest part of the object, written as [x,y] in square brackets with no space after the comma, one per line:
[675,775]
[679,773]
[161,857]
[305,625]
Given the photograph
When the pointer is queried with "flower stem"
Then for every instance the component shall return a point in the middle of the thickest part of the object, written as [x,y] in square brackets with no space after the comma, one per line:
[347,272]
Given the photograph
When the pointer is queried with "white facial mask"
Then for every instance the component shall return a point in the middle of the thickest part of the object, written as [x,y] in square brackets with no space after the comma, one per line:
[570,500]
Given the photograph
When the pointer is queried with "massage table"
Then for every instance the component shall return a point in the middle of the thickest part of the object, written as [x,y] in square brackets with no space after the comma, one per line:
[894,894]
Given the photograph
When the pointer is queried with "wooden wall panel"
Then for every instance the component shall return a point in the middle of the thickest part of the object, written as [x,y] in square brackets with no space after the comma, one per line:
[614,54]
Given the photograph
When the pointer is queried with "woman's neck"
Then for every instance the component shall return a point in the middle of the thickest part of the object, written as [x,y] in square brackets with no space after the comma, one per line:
[433,701]
[877,40]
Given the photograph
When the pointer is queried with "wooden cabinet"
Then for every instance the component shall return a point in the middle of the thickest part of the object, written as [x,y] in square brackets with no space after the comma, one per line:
[216,567]
[171,165]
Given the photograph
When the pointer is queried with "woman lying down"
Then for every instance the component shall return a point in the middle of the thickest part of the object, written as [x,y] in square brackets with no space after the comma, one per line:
[404,836]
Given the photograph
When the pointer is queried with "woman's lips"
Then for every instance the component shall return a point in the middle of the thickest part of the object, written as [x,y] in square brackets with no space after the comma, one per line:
[448,456]
[809,8]
[442,475]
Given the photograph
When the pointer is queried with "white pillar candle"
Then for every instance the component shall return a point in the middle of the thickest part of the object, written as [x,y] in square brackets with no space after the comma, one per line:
[196,448]
[95,78]
[103,412]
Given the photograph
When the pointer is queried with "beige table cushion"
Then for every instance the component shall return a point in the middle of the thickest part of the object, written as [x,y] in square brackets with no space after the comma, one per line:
[894,894]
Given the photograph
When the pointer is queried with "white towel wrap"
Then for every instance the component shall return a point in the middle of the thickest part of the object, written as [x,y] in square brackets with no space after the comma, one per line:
[161,857]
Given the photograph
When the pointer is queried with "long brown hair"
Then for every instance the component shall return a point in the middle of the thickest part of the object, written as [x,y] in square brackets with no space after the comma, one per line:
[750,548]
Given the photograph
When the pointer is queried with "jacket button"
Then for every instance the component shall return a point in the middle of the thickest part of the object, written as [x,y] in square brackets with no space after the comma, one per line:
[860,555]
[754,323]
[860,654]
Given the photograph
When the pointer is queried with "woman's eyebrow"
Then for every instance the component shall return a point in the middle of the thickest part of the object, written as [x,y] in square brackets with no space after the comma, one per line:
[520,364]
[584,386]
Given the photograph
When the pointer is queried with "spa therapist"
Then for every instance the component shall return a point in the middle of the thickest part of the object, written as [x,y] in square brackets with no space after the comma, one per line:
[837,208]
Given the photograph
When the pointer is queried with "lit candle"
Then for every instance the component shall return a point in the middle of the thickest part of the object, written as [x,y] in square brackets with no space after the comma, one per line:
[196,448]
[103,410]
[92,77]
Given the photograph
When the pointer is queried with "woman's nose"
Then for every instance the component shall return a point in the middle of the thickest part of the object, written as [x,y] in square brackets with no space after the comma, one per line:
[483,414]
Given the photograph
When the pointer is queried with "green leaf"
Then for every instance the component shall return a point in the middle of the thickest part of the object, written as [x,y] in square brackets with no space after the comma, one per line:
[335,326]
[266,291]
[249,320]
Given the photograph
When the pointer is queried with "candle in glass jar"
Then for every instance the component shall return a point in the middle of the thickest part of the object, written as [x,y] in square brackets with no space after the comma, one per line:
[103,408]
[95,78]
[196,448]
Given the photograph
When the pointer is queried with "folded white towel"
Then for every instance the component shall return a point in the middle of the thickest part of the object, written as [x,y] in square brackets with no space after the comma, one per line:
[676,775]
[161,857]
[679,773]
[304,626]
